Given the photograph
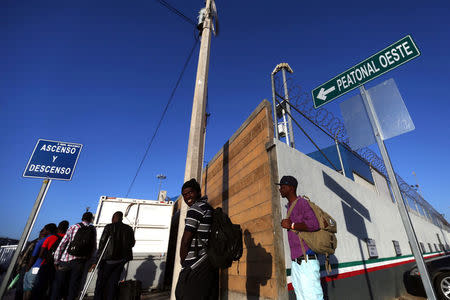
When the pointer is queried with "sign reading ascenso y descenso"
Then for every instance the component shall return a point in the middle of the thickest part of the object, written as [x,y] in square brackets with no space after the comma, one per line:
[385,60]
[53,160]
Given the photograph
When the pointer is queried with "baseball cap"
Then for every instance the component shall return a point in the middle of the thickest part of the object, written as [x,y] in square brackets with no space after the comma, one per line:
[288,180]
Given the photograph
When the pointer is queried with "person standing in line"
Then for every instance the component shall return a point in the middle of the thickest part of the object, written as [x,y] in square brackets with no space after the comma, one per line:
[198,279]
[22,265]
[120,239]
[71,257]
[305,268]
[35,262]
[46,272]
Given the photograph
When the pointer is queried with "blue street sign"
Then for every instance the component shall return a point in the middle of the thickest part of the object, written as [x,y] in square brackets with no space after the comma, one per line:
[53,160]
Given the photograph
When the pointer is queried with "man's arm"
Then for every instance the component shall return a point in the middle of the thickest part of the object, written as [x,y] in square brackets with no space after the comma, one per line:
[132,239]
[46,246]
[193,217]
[31,263]
[103,239]
[62,245]
[35,254]
[94,237]
[310,222]
[300,226]
[185,242]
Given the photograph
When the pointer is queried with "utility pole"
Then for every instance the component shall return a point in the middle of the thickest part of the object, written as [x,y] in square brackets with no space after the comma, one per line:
[194,157]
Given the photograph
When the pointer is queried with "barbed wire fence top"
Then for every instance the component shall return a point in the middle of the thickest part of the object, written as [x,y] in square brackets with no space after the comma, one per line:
[326,126]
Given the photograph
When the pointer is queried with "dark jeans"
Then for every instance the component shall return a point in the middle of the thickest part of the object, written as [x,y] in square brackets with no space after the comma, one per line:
[201,283]
[108,277]
[68,279]
[41,284]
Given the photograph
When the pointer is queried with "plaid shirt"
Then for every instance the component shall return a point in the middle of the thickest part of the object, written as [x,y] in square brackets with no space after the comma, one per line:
[61,254]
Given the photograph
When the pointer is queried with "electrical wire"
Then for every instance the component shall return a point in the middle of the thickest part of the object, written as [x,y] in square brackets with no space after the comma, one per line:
[163,114]
[177,12]
[310,139]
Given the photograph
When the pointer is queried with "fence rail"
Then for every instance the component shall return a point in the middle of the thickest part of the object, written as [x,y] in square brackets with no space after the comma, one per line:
[6,254]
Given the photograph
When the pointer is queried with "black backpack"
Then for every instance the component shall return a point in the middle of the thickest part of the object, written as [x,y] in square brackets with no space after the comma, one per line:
[83,242]
[51,252]
[225,240]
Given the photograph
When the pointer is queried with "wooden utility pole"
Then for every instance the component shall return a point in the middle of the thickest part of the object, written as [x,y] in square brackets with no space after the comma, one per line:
[194,158]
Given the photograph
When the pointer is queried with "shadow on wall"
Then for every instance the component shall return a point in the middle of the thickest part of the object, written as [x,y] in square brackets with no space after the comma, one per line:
[225,207]
[354,215]
[162,268]
[259,266]
[146,272]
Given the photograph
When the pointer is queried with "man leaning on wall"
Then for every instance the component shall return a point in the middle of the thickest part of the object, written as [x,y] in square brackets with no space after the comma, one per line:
[198,279]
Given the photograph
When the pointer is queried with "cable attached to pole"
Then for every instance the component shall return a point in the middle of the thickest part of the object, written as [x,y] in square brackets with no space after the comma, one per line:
[304,132]
[163,114]
[177,12]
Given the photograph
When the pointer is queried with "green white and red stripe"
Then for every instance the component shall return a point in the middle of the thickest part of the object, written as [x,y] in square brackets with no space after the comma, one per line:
[354,268]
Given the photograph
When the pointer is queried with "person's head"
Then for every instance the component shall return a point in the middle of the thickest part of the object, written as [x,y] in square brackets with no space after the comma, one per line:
[88,217]
[288,187]
[63,226]
[191,191]
[117,217]
[42,233]
[51,228]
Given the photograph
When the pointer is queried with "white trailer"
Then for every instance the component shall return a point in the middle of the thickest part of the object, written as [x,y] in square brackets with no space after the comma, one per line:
[150,220]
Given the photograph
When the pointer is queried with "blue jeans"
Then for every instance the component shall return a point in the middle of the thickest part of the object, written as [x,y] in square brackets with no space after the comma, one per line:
[306,280]
[29,278]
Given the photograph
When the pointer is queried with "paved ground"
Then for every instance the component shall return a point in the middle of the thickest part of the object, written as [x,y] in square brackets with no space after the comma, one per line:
[410,297]
[157,296]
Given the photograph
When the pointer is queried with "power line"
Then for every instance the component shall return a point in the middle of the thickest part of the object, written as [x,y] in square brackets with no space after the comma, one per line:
[177,12]
[163,114]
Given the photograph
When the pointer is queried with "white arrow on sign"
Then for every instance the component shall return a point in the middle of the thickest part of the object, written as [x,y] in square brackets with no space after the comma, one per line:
[322,95]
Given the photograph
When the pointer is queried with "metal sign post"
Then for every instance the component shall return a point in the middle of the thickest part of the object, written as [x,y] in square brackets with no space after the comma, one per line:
[49,160]
[288,106]
[26,233]
[196,142]
[397,195]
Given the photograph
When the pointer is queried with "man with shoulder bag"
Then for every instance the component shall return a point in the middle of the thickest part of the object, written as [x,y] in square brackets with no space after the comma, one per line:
[74,251]
[305,267]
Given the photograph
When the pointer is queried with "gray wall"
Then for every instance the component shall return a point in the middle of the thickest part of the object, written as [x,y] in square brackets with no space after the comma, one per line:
[359,211]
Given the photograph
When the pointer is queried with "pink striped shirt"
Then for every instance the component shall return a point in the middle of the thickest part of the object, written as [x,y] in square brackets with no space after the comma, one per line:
[61,254]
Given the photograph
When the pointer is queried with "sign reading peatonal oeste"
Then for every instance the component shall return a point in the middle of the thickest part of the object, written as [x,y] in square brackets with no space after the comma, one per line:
[53,160]
[387,59]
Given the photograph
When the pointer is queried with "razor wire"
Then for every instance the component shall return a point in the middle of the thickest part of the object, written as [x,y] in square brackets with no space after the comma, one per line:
[335,128]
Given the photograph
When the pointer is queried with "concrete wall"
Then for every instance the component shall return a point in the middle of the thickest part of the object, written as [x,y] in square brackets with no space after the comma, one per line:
[360,213]
[240,180]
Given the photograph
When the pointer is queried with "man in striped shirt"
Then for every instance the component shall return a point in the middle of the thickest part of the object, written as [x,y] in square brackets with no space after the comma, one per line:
[198,279]
[70,268]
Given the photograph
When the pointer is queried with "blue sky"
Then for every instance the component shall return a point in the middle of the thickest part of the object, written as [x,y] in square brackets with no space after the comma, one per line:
[100,73]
